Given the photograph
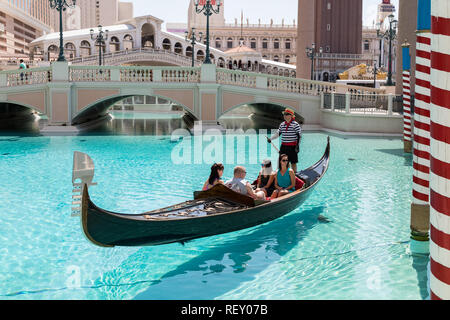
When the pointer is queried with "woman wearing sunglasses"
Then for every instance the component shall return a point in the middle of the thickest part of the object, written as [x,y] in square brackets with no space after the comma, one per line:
[284,178]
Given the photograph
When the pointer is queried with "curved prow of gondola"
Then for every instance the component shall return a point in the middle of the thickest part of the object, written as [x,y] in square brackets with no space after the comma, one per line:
[312,174]
[82,175]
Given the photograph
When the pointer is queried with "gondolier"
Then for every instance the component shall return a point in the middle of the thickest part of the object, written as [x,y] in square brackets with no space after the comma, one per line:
[291,133]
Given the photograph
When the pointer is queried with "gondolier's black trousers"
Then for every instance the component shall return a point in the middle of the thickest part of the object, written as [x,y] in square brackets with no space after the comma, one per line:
[290,152]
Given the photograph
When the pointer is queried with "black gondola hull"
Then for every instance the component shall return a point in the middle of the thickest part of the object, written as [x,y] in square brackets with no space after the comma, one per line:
[108,229]
[111,230]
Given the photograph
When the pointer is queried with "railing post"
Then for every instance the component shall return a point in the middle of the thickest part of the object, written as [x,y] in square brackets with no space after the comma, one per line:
[322,100]
[3,80]
[115,75]
[332,101]
[390,103]
[157,75]
[208,73]
[60,71]
[261,82]
[347,102]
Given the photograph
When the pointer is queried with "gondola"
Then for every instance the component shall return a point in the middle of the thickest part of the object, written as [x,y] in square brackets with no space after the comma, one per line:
[216,211]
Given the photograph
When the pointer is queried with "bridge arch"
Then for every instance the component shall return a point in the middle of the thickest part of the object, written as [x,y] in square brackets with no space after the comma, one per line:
[178,48]
[11,108]
[100,107]
[147,36]
[127,42]
[167,44]
[114,44]
[265,114]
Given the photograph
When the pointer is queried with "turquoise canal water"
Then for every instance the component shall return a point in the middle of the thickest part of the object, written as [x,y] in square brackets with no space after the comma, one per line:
[361,253]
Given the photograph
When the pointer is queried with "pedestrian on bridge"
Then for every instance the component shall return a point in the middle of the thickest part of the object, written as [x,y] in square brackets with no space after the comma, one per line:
[291,133]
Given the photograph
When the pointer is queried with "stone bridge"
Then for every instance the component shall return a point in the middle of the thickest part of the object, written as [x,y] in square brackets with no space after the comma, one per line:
[73,95]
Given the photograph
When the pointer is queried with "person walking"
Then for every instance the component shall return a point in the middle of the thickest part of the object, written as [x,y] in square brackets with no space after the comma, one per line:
[22,66]
[291,134]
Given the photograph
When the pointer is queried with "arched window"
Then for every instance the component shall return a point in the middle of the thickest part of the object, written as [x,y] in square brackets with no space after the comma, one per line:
[265,43]
[178,48]
[276,44]
[218,43]
[200,55]
[287,44]
[69,48]
[253,43]
[85,48]
[276,58]
[366,45]
[230,43]
[242,41]
[166,44]
[114,44]
[287,59]
[189,51]
[128,42]
[52,52]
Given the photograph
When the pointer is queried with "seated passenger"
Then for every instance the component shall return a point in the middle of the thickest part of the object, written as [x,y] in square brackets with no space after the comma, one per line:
[240,185]
[266,178]
[284,178]
[214,177]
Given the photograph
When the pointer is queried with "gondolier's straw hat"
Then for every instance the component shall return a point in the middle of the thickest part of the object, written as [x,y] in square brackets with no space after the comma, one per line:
[289,111]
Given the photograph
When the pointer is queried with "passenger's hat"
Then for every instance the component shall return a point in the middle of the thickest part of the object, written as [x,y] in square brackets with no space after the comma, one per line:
[289,111]
[266,167]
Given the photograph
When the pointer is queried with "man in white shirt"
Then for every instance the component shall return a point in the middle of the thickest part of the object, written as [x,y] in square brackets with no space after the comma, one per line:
[240,185]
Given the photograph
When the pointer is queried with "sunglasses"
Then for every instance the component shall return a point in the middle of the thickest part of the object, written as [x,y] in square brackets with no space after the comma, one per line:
[284,160]
[266,165]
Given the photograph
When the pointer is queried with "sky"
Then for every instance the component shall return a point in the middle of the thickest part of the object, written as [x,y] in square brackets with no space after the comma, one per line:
[176,10]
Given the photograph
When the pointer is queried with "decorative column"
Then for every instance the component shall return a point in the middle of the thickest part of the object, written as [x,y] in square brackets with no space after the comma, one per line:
[420,208]
[440,151]
[407,142]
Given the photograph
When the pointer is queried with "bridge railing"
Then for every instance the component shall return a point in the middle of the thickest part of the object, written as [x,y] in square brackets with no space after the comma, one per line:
[206,73]
[287,84]
[13,78]
[237,78]
[362,103]
[133,74]
[121,56]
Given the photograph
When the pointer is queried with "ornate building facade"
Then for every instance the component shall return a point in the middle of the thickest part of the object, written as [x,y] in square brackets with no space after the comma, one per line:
[275,42]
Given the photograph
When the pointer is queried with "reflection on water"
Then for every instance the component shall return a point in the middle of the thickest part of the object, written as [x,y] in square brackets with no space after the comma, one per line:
[264,244]
[140,123]
[130,123]
[21,125]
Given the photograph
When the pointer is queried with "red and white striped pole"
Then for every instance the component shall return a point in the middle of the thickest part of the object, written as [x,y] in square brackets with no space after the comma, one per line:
[407,135]
[420,208]
[440,151]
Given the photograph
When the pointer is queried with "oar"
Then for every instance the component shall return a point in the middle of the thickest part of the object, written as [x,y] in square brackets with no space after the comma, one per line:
[273,144]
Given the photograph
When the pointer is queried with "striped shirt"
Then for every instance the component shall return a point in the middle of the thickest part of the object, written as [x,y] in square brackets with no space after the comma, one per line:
[290,134]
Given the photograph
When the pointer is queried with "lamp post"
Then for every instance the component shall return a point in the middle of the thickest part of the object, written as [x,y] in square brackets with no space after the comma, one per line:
[207,7]
[193,39]
[100,41]
[381,43]
[390,35]
[61,5]
[312,53]
[374,73]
